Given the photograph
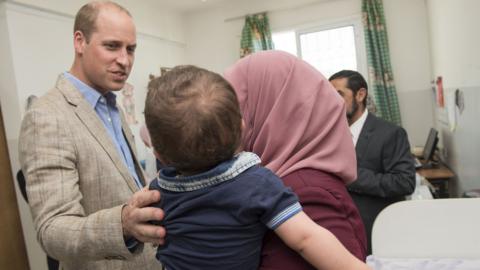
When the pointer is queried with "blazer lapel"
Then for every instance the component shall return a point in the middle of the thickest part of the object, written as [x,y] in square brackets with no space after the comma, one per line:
[363,139]
[131,143]
[94,125]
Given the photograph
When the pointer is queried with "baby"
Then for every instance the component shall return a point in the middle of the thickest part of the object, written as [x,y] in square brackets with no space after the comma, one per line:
[218,200]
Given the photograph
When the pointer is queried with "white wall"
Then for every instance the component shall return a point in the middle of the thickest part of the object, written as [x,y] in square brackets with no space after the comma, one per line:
[11,115]
[407,27]
[213,36]
[151,17]
[214,43]
[36,46]
[455,39]
[7,78]
[455,57]
[408,34]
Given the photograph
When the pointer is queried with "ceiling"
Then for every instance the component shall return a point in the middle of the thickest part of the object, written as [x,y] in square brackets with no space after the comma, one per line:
[191,5]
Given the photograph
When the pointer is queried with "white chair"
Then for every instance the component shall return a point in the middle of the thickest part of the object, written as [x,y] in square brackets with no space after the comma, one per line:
[442,228]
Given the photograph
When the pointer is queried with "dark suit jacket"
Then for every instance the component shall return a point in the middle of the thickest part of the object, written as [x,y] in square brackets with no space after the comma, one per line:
[386,171]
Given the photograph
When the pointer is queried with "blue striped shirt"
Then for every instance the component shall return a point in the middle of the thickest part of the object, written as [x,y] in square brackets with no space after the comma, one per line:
[217,219]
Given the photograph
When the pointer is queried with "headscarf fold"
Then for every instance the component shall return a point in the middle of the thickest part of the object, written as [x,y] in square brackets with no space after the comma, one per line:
[294,118]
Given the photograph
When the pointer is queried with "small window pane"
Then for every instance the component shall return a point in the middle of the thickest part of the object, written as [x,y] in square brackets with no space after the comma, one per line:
[330,50]
[285,41]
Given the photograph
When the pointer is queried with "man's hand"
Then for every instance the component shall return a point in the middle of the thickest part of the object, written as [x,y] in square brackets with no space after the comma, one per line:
[136,214]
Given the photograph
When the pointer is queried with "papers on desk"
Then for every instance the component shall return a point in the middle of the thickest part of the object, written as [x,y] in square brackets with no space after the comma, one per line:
[422,189]
[418,164]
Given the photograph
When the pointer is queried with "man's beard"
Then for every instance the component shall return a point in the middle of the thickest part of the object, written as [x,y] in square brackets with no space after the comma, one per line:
[354,109]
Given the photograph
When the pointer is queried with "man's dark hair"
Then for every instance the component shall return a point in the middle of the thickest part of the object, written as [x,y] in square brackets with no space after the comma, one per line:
[86,18]
[194,118]
[355,82]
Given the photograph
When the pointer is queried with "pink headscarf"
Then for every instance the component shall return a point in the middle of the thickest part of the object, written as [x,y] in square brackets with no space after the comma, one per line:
[294,118]
[145,136]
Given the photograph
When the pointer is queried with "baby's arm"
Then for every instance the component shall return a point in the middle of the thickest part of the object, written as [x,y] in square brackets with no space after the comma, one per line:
[316,244]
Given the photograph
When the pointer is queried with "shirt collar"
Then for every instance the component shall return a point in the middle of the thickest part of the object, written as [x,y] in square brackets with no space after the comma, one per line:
[91,95]
[169,179]
[357,126]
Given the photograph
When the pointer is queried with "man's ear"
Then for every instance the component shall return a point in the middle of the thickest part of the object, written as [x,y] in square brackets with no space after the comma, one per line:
[361,95]
[79,42]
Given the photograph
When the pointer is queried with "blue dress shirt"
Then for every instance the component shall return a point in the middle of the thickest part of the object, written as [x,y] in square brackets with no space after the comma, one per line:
[106,108]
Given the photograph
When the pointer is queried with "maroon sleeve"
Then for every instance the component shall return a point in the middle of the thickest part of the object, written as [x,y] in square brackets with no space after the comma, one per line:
[325,199]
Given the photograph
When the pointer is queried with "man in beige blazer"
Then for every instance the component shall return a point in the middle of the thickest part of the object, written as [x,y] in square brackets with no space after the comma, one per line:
[84,182]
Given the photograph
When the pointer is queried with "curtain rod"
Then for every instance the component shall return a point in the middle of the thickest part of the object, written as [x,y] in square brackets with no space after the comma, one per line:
[279,9]
[243,16]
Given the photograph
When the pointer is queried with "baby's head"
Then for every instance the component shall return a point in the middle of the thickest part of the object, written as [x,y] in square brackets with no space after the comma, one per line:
[194,119]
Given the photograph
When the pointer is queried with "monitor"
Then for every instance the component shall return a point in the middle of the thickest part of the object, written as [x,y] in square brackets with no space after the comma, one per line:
[430,145]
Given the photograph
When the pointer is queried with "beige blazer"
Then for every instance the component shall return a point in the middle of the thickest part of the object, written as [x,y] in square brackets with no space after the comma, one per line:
[77,183]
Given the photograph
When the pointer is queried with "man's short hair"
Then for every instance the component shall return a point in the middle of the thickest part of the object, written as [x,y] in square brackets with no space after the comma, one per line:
[194,118]
[355,81]
[85,20]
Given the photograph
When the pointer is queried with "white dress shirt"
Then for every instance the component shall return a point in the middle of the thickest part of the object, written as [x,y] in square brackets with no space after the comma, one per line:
[357,126]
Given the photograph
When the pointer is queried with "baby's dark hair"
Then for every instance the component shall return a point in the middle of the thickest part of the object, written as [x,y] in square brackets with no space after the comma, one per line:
[194,118]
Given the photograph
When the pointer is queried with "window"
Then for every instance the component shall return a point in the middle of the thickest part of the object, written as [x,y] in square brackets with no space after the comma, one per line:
[285,41]
[329,48]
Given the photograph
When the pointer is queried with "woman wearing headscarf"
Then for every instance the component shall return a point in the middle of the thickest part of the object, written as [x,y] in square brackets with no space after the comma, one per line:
[295,122]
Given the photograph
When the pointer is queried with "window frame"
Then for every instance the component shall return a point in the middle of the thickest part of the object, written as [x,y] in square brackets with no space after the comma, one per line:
[318,26]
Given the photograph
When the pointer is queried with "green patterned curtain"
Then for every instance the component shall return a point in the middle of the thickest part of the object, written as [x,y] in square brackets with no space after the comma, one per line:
[379,66]
[256,35]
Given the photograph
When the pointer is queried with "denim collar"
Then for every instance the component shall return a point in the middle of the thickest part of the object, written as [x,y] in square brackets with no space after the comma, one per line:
[168,178]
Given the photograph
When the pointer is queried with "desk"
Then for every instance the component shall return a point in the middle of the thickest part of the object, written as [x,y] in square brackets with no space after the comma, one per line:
[438,176]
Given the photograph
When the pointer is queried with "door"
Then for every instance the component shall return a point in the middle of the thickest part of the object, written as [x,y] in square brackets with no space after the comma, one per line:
[13,254]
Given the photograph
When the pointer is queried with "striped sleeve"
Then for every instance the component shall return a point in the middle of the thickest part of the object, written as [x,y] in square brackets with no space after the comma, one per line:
[276,202]
[284,215]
